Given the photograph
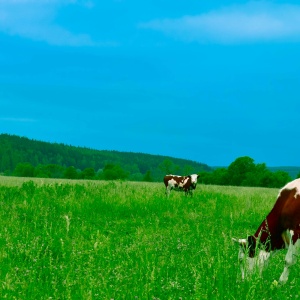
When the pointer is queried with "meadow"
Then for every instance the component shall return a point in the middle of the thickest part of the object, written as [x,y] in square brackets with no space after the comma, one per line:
[64,239]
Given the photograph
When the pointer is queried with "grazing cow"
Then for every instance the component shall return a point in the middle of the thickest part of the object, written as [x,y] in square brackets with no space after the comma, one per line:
[181,183]
[280,229]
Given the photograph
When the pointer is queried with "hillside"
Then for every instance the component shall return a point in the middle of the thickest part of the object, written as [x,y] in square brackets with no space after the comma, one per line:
[15,150]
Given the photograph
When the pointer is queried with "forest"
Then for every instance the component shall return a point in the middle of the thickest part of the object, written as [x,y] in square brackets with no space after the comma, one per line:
[24,157]
[21,156]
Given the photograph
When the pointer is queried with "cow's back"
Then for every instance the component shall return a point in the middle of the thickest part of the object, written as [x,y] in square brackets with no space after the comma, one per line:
[290,213]
[174,180]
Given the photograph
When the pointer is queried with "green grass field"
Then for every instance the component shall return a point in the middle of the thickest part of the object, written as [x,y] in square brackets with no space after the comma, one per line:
[126,240]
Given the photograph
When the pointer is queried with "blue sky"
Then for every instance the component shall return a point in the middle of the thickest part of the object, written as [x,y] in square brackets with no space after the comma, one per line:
[208,81]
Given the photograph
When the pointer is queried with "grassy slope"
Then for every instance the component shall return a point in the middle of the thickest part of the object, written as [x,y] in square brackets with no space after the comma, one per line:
[125,240]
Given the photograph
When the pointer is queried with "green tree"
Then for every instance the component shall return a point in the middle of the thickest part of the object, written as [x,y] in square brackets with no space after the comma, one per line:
[187,170]
[257,177]
[112,172]
[24,170]
[239,170]
[280,178]
[205,177]
[88,173]
[168,167]
[55,170]
[49,171]
[6,163]
[41,172]
[148,176]
[70,173]
[220,176]
[136,177]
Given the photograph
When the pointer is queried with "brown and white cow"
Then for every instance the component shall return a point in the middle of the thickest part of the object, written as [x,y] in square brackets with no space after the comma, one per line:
[181,183]
[280,229]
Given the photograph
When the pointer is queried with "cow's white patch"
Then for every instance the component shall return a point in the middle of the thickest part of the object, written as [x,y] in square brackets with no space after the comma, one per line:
[249,264]
[172,183]
[295,184]
[183,182]
[291,256]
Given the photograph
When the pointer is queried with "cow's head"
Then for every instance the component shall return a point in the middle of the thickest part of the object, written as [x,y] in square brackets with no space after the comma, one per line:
[194,178]
[250,257]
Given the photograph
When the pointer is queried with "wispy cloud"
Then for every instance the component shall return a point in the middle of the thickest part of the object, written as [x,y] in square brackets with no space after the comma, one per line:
[35,19]
[18,120]
[254,21]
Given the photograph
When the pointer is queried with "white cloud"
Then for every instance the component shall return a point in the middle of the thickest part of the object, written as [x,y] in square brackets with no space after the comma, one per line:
[35,19]
[255,21]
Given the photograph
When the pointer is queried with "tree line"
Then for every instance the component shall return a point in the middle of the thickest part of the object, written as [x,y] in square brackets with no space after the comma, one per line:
[244,172]
[23,157]
[20,155]
[110,172]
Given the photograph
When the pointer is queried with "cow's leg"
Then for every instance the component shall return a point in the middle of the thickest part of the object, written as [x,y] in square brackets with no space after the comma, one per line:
[187,192]
[291,256]
[262,260]
[168,190]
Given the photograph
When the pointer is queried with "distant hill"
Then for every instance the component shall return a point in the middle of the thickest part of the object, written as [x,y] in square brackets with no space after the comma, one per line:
[15,150]
[292,171]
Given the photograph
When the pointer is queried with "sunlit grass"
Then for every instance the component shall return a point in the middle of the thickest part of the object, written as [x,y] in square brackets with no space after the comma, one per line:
[124,240]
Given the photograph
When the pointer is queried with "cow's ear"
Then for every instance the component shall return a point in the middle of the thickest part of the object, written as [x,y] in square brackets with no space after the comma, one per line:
[241,242]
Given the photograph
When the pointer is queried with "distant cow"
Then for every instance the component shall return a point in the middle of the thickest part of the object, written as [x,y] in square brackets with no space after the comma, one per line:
[181,183]
[280,229]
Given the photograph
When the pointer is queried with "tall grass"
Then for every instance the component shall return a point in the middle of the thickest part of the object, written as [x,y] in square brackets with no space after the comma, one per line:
[123,240]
